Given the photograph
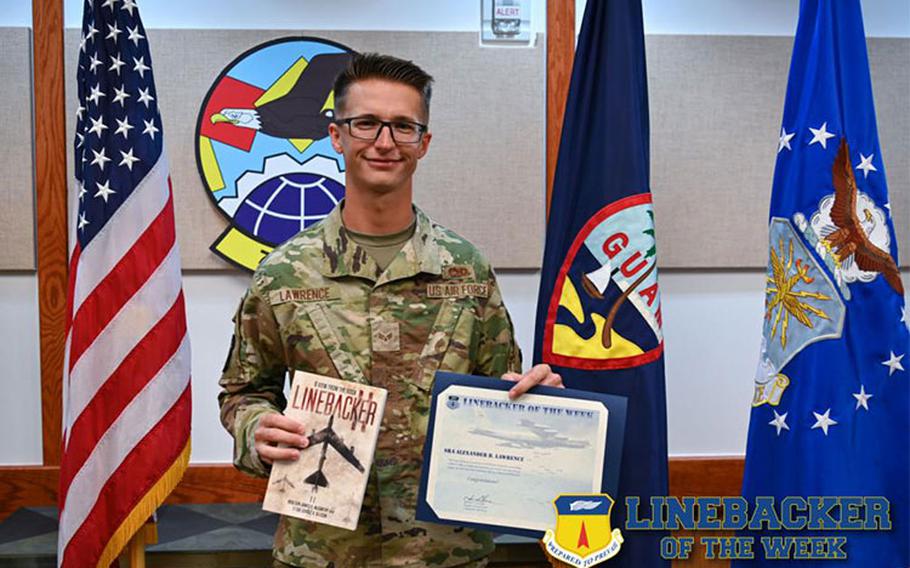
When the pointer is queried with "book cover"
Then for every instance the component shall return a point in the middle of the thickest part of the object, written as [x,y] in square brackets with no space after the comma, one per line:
[327,483]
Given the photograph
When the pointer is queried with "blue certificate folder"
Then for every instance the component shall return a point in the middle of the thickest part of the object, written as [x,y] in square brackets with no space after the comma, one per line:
[508,437]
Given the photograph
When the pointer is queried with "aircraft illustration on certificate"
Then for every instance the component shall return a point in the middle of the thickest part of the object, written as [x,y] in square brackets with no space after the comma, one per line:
[531,436]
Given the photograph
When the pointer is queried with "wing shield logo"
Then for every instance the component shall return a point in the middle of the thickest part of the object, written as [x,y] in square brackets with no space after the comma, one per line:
[605,309]
[262,145]
[583,536]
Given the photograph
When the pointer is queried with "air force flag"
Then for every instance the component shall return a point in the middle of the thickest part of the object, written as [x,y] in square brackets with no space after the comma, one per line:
[831,403]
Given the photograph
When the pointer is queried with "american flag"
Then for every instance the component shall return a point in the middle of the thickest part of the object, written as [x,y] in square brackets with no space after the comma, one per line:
[126,411]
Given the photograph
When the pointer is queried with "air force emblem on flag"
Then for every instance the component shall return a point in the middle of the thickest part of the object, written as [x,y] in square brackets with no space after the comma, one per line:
[262,144]
[801,307]
[605,308]
[583,536]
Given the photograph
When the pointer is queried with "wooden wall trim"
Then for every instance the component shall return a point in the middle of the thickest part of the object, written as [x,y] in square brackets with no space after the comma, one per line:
[217,483]
[36,486]
[560,54]
[50,213]
[27,486]
[700,476]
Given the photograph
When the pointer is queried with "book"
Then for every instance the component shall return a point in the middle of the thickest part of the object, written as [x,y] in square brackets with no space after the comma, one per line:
[328,482]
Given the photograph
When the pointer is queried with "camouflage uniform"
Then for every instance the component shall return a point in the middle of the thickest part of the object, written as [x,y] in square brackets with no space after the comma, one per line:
[319,303]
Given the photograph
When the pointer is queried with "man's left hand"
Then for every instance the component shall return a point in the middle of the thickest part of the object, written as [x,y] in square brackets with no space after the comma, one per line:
[538,375]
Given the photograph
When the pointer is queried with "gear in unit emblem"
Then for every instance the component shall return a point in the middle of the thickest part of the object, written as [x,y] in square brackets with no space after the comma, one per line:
[262,144]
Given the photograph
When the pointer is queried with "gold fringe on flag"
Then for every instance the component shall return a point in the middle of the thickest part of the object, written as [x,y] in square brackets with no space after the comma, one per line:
[145,508]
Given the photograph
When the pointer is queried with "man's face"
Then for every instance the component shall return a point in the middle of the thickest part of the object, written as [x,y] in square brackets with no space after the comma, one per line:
[381,165]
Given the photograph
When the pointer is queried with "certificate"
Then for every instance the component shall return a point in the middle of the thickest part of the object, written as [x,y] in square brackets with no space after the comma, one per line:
[498,464]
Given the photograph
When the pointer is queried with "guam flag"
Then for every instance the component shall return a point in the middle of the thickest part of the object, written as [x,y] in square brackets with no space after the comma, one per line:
[598,314]
[831,404]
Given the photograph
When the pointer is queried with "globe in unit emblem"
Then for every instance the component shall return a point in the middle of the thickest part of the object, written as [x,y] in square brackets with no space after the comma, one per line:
[262,144]
[282,206]
[286,198]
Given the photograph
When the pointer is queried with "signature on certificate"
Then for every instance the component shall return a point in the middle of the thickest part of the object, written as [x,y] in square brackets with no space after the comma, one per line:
[477,502]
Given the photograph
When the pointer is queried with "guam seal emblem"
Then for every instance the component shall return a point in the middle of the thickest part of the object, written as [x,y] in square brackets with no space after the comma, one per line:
[262,144]
[605,308]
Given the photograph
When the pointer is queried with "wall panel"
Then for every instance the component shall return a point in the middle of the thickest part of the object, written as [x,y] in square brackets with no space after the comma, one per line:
[716,108]
[486,156]
[716,105]
[17,202]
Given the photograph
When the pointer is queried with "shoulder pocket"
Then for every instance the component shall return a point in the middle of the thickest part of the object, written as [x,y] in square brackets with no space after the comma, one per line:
[344,362]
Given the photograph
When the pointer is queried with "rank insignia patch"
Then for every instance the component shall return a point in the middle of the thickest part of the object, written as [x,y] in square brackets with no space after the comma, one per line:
[386,336]
[262,144]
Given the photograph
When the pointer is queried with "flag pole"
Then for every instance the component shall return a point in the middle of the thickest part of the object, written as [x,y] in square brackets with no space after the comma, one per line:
[145,536]
[136,549]
[560,53]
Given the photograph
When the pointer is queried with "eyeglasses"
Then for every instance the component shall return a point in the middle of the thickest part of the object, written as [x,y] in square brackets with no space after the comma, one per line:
[368,128]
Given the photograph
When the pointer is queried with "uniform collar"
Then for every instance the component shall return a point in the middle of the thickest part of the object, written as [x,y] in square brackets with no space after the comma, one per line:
[344,257]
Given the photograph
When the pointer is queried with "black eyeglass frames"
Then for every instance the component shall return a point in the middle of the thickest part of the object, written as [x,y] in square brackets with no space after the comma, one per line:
[369,128]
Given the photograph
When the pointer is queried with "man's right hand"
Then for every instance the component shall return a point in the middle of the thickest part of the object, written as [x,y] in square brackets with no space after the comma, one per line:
[274,429]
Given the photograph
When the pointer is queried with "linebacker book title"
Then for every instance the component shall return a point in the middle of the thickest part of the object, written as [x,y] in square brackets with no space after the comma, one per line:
[327,483]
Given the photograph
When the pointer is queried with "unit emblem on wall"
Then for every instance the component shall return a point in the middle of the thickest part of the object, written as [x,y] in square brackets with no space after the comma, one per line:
[262,144]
